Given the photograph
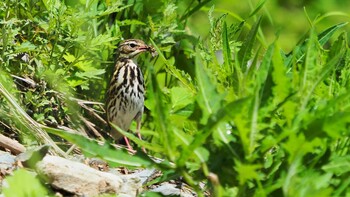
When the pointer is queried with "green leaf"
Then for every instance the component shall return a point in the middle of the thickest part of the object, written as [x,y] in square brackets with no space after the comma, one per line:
[226,49]
[152,194]
[282,82]
[130,22]
[247,172]
[336,125]
[180,98]
[208,98]
[223,134]
[228,111]
[115,157]
[338,46]
[338,165]
[265,67]
[202,153]
[257,8]
[324,37]
[21,118]
[22,184]
[173,71]
[160,114]
[75,81]
[25,47]
[141,143]
[114,8]
[69,57]
[90,74]
[193,10]
[304,184]
[246,50]
[101,40]
[310,68]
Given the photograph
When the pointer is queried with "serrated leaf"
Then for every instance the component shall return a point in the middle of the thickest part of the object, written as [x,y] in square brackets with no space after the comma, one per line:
[208,97]
[101,40]
[69,57]
[84,65]
[114,8]
[75,81]
[280,78]
[90,74]
[338,165]
[247,172]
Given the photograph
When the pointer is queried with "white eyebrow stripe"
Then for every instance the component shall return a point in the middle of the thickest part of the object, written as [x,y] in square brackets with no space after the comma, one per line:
[130,42]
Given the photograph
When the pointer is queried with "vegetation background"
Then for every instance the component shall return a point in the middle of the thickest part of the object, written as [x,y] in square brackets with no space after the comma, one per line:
[250,98]
[287,17]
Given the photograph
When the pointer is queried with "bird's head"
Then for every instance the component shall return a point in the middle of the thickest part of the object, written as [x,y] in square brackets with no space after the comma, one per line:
[131,48]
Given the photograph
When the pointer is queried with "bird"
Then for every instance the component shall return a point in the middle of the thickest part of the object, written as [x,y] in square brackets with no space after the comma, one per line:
[125,95]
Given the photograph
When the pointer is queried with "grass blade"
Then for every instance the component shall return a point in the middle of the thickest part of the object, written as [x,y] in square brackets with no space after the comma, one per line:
[195,9]
[324,37]
[260,5]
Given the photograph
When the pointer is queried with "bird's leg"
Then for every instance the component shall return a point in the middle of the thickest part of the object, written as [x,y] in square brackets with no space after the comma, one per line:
[138,128]
[130,149]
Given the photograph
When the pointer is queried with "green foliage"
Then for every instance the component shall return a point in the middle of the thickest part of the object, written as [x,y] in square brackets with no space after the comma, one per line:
[106,152]
[229,110]
[23,183]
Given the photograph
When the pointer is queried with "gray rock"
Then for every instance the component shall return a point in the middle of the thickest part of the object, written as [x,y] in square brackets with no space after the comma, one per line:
[7,161]
[168,189]
[80,179]
[145,174]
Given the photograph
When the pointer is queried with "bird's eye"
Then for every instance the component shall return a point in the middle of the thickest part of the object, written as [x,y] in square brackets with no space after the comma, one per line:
[132,45]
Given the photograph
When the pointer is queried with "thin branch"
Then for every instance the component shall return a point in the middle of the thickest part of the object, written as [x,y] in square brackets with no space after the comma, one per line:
[91,126]
[28,80]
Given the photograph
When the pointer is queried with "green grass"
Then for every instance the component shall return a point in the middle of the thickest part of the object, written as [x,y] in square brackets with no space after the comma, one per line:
[229,109]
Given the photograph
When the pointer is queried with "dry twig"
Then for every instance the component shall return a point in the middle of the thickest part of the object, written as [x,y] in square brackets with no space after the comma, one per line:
[12,145]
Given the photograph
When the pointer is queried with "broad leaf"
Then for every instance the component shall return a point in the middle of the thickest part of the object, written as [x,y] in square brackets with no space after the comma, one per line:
[115,157]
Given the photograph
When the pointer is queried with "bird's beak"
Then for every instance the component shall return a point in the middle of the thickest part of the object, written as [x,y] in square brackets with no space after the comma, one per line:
[144,48]
[148,48]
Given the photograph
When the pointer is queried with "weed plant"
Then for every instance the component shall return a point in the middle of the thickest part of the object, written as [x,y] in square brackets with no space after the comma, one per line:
[228,110]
